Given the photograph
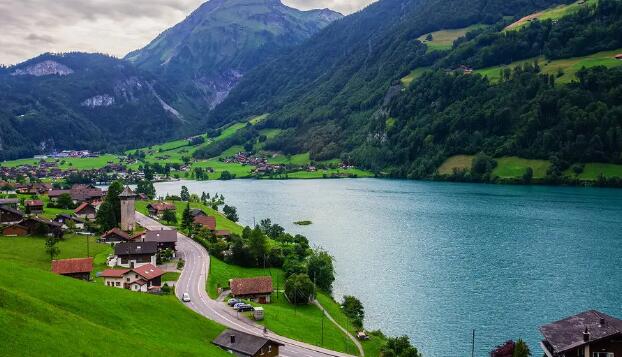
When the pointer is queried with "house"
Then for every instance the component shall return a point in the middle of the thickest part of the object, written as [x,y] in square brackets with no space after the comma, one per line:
[15,230]
[9,202]
[85,193]
[86,210]
[255,289]
[135,254]
[78,268]
[53,195]
[33,206]
[589,334]
[207,222]
[243,344]
[38,224]
[145,278]
[157,209]
[9,215]
[504,350]
[618,56]
[115,236]
[164,238]
[64,219]
[222,233]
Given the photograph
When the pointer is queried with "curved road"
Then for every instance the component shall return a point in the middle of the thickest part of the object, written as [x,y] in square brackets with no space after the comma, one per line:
[193,279]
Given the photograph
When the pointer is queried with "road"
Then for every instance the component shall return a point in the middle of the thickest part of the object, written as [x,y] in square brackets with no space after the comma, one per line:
[192,281]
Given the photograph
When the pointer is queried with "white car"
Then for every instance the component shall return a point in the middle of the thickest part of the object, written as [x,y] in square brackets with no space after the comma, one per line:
[185,297]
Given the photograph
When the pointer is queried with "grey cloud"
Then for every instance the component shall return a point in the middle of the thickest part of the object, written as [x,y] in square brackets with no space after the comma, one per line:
[109,26]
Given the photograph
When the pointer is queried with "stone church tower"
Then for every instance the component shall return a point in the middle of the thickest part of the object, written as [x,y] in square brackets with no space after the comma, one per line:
[128,219]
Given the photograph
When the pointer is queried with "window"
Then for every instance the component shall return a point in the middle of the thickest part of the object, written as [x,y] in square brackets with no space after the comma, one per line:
[127,279]
[118,283]
[261,351]
[269,348]
[136,276]
[602,354]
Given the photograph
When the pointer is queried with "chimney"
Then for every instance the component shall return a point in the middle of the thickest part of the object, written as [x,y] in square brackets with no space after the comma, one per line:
[586,335]
[232,337]
[602,321]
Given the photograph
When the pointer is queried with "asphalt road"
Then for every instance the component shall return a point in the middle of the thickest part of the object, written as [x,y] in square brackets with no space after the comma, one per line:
[192,281]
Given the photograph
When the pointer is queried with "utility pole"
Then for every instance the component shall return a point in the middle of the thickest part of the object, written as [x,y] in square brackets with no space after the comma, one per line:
[473,344]
[88,252]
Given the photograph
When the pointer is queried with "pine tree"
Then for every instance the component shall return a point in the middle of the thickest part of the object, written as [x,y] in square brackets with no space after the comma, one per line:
[186,218]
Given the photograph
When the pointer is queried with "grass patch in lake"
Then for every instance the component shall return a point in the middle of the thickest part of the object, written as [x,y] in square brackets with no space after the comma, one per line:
[303,223]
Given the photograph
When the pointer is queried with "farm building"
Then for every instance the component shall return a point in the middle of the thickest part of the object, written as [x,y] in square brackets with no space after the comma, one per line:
[255,289]
[78,268]
[243,344]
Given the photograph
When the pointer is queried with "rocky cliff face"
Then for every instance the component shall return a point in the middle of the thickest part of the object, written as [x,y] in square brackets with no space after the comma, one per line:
[218,43]
[44,68]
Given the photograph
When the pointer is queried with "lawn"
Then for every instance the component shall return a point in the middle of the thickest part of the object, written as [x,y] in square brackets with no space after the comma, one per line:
[416,73]
[552,13]
[329,173]
[459,162]
[44,314]
[444,39]
[170,276]
[86,163]
[30,251]
[592,171]
[514,167]
[296,160]
[221,272]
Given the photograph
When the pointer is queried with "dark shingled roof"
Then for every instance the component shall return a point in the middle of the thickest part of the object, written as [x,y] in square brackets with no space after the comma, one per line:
[245,343]
[163,236]
[251,286]
[567,334]
[128,248]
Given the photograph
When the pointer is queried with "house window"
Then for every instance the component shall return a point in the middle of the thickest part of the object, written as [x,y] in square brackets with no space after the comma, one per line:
[269,348]
[127,279]
[136,276]
[602,354]
[261,351]
[118,283]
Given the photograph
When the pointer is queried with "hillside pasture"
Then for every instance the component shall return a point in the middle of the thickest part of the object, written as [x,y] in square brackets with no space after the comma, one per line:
[552,13]
[444,39]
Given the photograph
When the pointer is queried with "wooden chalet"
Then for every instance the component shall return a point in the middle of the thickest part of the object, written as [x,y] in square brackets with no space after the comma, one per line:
[207,222]
[33,206]
[240,343]
[9,202]
[10,215]
[157,209]
[115,236]
[86,210]
[78,268]
[135,254]
[166,239]
[255,289]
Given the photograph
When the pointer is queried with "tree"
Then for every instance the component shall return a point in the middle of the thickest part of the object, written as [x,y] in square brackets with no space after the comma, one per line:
[292,265]
[65,201]
[528,175]
[114,190]
[258,246]
[299,289]
[482,164]
[231,213]
[186,218]
[169,216]
[521,349]
[399,347]
[320,269]
[106,218]
[51,248]
[184,195]
[226,175]
[353,308]
[146,187]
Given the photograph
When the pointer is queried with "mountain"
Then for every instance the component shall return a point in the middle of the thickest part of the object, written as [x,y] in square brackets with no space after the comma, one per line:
[97,102]
[79,100]
[208,53]
[340,95]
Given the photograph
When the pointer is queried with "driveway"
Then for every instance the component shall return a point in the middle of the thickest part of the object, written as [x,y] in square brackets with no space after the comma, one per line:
[192,281]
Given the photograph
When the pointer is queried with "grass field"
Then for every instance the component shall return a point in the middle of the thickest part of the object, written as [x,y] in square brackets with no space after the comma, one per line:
[69,163]
[299,159]
[458,162]
[444,39]
[552,13]
[416,73]
[221,272]
[592,171]
[513,167]
[44,314]
[569,66]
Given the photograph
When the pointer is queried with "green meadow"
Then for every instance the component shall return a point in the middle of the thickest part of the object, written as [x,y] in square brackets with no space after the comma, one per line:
[444,39]
[552,13]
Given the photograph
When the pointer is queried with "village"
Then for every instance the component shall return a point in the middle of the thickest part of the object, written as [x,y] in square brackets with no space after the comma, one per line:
[142,259]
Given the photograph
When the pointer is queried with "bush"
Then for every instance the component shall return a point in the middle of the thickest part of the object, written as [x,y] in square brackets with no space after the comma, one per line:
[299,289]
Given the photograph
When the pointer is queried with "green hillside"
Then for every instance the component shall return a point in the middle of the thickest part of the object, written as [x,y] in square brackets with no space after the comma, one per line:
[43,314]
[444,39]
[552,13]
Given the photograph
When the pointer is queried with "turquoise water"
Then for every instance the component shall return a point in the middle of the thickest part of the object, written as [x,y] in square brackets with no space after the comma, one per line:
[437,260]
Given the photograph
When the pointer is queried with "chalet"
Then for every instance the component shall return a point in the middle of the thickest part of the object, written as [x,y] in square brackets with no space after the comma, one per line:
[135,254]
[196,212]
[34,188]
[78,268]
[39,225]
[157,209]
[115,236]
[86,210]
[9,215]
[145,278]
[207,222]
[222,233]
[54,195]
[65,220]
[85,193]
[164,238]
[588,334]
[9,202]
[33,206]
[255,289]
[243,344]
[15,230]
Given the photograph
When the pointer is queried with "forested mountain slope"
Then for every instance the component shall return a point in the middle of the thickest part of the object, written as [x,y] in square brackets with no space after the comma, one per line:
[346,101]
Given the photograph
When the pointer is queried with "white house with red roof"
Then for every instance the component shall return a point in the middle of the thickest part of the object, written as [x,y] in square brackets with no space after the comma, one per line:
[145,278]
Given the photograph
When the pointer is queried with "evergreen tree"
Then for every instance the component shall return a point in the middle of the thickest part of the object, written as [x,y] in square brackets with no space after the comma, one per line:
[521,349]
[186,219]
[185,195]
[146,187]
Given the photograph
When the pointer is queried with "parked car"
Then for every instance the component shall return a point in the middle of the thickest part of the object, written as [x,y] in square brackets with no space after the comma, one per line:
[236,305]
[186,297]
[245,307]
[232,302]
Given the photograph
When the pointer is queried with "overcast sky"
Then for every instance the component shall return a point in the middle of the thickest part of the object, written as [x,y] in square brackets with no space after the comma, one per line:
[31,27]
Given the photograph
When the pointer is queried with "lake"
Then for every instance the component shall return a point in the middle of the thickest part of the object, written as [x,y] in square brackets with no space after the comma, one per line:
[437,260]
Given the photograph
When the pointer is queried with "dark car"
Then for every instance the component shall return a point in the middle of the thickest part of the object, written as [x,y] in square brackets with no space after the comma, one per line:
[245,307]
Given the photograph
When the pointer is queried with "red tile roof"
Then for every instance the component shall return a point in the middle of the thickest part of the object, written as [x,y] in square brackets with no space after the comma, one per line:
[208,222]
[68,266]
[149,271]
[251,286]
[162,206]
[222,233]
[82,206]
[118,232]
[113,273]
[33,203]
